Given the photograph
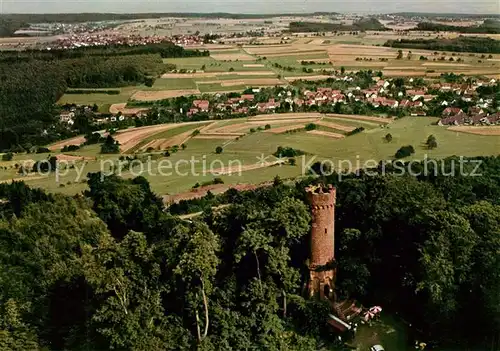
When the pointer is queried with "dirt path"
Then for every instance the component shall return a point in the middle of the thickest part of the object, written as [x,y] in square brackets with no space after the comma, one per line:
[73,141]
[23,179]
[217,74]
[363,118]
[490,131]
[63,157]
[214,189]
[215,137]
[278,116]
[285,129]
[143,95]
[116,108]
[244,168]
[336,126]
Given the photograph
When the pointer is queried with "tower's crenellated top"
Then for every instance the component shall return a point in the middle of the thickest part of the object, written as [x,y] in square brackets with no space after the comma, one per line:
[321,196]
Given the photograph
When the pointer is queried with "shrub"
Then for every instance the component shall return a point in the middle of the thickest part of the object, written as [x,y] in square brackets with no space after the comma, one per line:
[355,131]
[311,126]
[404,151]
[268,126]
[195,132]
[218,181]
[287,152]
[431,142]
[110,146]
[70,148]
[8,156]
[42,150]
[219,149]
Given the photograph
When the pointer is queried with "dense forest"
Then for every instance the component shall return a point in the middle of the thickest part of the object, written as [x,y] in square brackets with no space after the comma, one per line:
[363,24]
[460,44]
[29,90]
[166,50]
[31,82]
[111,269]
[489,26]
[9,26]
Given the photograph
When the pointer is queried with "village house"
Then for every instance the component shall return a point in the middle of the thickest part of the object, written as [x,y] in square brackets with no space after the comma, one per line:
[418,113]
[410,104]
[382,101]
[451,111]
[415,94]
[202,105]
[192,111]
[370,93]
[271,105]
[475,110]
[456,119]
[67,117]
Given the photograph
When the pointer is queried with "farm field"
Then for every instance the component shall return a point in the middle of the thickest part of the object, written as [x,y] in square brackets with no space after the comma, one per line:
[231,68]
[240,146]
[104,101]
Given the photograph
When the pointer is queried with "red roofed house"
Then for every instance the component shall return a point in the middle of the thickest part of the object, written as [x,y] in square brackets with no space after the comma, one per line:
[247,97]
[451,111]
[457,119]
[494,119]
[203,105]
[192,111]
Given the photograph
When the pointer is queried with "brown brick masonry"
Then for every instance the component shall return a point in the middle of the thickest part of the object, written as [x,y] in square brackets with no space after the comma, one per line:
[322,202]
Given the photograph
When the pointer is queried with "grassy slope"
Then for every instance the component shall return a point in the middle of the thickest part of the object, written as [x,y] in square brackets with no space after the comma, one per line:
[366,146]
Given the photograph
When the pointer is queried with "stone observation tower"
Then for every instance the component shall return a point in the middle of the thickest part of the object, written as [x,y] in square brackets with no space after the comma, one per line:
[322,279]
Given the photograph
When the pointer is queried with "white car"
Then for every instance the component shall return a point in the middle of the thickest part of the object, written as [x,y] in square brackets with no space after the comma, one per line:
[377,348]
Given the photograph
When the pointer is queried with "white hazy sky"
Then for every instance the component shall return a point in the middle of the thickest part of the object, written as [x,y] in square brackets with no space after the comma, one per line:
[252,6]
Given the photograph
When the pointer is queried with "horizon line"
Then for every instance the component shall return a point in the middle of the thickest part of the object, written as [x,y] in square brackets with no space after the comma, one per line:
[253,13]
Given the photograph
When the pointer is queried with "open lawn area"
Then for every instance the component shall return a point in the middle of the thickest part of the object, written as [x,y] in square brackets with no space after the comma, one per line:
[102,100]
[212,65]
[174,84]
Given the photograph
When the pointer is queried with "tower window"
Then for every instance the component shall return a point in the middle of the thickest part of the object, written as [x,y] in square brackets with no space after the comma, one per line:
[326,291]
[326,231]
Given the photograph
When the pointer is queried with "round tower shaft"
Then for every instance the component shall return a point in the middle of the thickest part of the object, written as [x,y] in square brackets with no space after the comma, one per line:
[322,202]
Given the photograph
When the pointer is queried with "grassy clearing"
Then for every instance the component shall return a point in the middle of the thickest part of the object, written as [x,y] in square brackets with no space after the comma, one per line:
[190,63]
[351,122]
[294,61]
[100,99]
[331,130]
[174,84]
[235,77]
[214,87]
[211,65]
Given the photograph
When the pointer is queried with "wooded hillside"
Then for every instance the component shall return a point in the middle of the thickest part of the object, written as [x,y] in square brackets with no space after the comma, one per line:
[111,269]
[460,44]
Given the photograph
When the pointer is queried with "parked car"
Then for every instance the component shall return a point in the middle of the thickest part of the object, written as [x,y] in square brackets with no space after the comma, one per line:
[377,348]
